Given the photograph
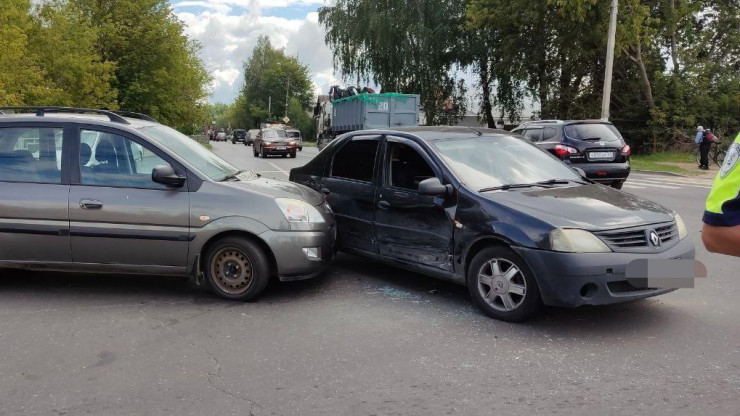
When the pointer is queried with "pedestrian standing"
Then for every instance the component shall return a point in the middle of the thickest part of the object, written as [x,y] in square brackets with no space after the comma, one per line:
[721,232]
[704,146]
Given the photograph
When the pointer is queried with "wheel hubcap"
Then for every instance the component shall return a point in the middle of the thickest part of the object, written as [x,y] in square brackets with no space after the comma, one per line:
[232,271]
[502,284]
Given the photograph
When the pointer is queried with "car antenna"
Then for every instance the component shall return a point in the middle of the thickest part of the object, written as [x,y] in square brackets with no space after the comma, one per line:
[478,132]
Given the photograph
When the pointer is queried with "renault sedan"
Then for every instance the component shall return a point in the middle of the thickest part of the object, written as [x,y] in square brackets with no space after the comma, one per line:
[492,211]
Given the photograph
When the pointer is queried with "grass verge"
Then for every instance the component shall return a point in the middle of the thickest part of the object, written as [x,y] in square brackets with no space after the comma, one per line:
[663,162]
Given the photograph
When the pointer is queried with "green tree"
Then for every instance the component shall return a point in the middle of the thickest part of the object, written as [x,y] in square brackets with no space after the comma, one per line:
[63,43]
[158,71]
[408,47]
[271,76]
[22,80]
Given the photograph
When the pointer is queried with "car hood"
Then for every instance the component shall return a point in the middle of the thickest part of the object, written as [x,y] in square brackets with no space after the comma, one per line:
[279,189]
[591,207]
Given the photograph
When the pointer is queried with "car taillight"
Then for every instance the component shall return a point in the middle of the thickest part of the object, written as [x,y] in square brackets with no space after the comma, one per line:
[626,151]
[562,150]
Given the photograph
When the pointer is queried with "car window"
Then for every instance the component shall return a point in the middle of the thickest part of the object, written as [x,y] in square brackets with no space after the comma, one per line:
[356,160]
[491,161]
[534,135]
[196,155]
[273,134]
[294,134]
[406,168]
[593,132]
[31,154]
[117,161]
[550,133]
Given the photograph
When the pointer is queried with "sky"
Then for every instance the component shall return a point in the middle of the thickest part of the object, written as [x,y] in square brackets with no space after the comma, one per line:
[228,31]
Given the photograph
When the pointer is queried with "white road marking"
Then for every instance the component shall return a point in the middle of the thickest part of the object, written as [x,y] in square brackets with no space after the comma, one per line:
[655,185]
[671,183]
[284,172]
[628,185]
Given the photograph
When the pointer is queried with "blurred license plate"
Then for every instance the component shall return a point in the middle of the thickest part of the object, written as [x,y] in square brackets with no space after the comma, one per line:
[280,148]
[601,155]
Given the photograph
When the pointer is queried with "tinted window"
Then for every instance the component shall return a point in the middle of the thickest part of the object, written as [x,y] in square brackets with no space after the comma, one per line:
[490,161]
[406,167]
[534,135]
[550,133]
[31,155]
[356,160]
[294,134]
[117,161]
[593,132]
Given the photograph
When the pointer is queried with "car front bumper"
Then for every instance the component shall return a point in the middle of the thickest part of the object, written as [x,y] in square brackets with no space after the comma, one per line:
[293,263]
[276,151]
[572,280]
[605,172]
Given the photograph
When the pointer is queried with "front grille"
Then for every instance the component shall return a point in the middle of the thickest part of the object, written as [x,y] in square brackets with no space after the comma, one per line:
[624,239]
[637,238]
[667,232]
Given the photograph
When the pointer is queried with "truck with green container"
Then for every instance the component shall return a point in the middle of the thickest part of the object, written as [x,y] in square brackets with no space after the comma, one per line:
[363,112]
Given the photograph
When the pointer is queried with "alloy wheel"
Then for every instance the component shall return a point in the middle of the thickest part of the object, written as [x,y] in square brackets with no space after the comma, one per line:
[502,285]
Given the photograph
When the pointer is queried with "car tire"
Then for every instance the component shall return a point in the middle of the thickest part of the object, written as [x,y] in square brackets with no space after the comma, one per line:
[300,149]
[293,154]
[511,298]
[236,269]
[284,155]
[617,184]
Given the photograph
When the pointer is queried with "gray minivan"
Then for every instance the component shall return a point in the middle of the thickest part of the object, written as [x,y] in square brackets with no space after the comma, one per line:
[96,191]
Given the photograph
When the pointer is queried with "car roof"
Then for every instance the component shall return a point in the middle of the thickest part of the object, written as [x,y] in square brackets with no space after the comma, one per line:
[432,133]
[541,123]
[61,117]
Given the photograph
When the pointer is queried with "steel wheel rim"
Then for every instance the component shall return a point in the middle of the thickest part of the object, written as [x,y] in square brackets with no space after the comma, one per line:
[232,271]
[501,284]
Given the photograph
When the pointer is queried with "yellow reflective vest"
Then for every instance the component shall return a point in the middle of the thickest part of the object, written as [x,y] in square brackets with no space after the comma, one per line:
[723,204]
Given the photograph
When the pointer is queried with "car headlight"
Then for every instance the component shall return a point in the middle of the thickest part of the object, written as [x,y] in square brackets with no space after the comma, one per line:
[299,211]
[683,232]
[266,142]
[569,240]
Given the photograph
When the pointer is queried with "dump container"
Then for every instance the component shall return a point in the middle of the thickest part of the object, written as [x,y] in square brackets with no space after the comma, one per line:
[375,111]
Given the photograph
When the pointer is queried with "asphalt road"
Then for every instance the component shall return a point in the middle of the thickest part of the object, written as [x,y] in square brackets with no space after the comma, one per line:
[365,339]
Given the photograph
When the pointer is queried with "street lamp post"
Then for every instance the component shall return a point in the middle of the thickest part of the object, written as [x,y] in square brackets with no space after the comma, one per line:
[605,101]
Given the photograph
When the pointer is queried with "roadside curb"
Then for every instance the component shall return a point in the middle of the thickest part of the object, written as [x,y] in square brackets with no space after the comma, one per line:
[663,173]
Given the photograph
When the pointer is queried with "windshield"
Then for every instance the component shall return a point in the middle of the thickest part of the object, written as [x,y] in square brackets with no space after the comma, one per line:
[198,156]
[273,134]
[593,132]
[491,161]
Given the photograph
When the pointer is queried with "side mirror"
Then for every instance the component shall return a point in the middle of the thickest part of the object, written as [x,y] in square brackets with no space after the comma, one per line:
[433,187]
[165,175]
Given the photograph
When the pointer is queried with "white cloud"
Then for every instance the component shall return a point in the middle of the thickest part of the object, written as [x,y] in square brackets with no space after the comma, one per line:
[228,31]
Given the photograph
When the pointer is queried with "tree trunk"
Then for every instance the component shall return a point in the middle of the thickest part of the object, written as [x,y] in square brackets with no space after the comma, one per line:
[485,82]
[647,89]
[674,48]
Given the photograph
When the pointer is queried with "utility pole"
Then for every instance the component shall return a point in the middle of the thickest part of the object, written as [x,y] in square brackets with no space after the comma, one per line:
[606,99]
[269,107]
[287,90]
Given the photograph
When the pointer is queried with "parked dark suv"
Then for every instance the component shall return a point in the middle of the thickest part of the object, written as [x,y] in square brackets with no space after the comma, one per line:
[94,191]
[591,145]
[490,210]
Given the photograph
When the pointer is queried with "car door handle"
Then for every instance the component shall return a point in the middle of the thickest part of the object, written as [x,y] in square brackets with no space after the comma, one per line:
[325,191]
[384,205]
[91,204]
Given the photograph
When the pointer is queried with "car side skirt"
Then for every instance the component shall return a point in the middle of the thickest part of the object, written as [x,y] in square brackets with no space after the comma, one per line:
[413,267]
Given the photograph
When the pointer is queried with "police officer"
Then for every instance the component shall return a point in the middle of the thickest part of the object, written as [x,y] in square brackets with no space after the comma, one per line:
[721,233]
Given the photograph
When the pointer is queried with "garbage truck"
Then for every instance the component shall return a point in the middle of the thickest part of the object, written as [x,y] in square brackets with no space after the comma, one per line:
[366,111]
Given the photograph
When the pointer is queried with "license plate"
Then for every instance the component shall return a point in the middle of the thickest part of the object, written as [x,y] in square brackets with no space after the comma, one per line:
[601,155]
[280,148]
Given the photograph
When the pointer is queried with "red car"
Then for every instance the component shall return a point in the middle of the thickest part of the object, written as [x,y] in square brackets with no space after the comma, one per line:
[272,141]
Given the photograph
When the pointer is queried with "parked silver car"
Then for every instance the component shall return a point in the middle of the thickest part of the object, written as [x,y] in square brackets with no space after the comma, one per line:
[94,191]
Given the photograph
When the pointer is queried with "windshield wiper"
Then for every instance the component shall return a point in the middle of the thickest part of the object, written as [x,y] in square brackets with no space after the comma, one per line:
[560,182]
[512,186]
[231,176]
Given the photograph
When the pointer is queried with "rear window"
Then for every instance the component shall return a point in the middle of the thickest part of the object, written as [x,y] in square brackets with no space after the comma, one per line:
[593,132]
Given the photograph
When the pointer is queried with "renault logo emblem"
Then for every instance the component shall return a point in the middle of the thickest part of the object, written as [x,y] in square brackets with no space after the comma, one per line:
[654,238]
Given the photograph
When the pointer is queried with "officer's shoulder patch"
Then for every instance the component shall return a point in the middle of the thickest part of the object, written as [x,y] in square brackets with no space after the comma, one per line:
[731,160]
